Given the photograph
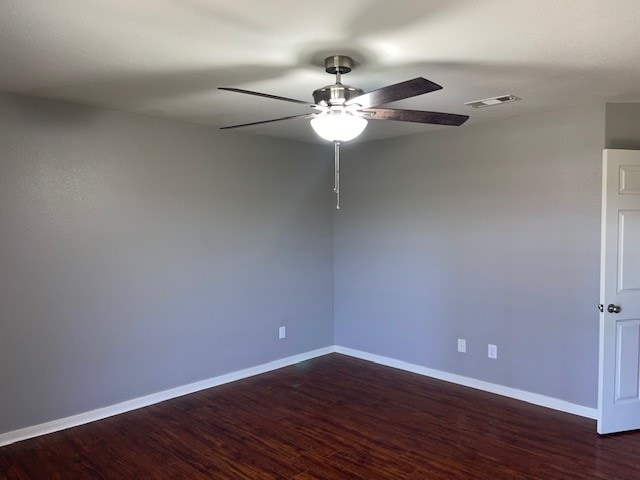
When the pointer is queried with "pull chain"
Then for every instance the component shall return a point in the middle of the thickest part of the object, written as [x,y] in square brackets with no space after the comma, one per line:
[336,174]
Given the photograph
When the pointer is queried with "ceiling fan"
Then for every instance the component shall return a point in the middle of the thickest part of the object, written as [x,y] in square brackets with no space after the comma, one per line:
[343,110]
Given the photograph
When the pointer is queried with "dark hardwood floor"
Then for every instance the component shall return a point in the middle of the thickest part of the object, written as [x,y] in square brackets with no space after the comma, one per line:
[332,417]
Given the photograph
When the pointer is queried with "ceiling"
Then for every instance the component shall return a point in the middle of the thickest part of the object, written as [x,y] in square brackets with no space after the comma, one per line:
[167,57]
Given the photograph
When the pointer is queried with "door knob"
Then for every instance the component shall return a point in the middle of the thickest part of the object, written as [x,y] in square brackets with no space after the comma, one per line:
[611,308]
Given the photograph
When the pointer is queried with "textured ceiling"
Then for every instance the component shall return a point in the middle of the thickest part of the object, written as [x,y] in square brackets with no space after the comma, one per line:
[167,57]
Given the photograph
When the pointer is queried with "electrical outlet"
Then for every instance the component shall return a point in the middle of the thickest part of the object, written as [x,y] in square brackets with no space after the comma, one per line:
[492,352]
[282,332]
[462,345]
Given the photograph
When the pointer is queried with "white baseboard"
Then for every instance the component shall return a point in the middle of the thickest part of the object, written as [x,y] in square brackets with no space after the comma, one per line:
[523,395]
[99,414]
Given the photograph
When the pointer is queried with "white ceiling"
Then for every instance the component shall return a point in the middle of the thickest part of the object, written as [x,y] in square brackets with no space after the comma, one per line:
[167,57]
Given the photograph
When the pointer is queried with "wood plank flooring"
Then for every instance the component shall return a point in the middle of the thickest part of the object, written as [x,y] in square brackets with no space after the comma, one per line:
[332,417]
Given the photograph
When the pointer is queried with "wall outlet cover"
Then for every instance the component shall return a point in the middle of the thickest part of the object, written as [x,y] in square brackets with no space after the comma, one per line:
[282,332]
[462,345]
[492,351]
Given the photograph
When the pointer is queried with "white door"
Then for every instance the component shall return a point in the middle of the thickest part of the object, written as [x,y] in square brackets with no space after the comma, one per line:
[619,373]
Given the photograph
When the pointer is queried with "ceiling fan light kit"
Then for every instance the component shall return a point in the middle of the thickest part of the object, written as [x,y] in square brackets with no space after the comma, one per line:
[338,126]
[343,110]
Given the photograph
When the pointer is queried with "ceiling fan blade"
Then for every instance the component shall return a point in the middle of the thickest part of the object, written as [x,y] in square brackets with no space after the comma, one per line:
[418,116]
[267,121]
[398,91]
[266,95]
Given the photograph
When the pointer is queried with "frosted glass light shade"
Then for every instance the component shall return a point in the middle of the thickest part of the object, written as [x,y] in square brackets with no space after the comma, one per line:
[340,127]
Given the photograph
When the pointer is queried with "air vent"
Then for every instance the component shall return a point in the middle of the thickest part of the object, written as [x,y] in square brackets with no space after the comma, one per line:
[489,102]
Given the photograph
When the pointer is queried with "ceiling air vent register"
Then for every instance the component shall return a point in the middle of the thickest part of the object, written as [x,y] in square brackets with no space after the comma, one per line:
[490,102]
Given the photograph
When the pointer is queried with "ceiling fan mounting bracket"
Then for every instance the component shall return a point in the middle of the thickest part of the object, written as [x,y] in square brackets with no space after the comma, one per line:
[338,64]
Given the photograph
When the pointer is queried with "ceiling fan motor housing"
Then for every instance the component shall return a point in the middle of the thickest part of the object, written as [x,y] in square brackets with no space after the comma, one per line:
[336,94]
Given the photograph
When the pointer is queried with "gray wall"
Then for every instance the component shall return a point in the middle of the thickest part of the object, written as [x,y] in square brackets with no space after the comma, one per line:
[139,254]
[623,126]
[488,232]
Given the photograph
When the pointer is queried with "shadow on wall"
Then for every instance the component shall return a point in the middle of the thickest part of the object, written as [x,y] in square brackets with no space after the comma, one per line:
[622,127]
[31,112]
